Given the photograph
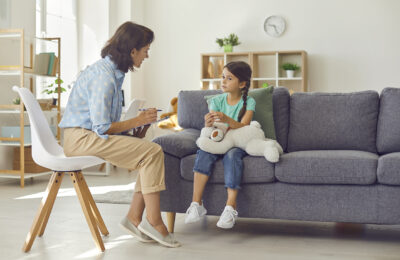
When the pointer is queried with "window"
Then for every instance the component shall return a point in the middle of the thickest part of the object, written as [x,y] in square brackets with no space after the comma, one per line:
[58,18]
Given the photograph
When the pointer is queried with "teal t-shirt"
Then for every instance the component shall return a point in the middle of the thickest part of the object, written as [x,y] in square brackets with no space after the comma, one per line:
[219,103]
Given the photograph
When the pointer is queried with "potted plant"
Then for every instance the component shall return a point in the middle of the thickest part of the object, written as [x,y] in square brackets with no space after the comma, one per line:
[228,42]
[290,69]
[53,89]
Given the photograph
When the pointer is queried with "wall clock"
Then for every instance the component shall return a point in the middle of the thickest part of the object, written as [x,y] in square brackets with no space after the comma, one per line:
[274,25]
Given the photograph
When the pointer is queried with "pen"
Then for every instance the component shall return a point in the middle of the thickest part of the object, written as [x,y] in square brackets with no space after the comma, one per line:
[144,109]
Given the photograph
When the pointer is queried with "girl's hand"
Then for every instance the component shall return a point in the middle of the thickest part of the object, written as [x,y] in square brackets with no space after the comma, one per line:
[220,117]
[208,120]
[148,116]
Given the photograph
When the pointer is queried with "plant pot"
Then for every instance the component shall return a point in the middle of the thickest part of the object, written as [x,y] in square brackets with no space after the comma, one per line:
[290,74]
[228,48]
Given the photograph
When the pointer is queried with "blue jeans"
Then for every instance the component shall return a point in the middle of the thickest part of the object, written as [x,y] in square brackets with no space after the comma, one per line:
[233,165]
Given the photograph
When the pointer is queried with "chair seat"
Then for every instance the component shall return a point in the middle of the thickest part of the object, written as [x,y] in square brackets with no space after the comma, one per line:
[63,163]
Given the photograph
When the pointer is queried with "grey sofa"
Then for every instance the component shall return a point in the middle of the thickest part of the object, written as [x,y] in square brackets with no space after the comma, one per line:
[341,160]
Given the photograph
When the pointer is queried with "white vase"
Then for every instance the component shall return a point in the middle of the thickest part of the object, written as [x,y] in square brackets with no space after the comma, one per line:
[290,74]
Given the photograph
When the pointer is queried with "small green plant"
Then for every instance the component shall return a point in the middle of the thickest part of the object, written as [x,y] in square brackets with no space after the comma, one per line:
[16,101]
[265,85]
[53,87]
[290,66]
[232,40]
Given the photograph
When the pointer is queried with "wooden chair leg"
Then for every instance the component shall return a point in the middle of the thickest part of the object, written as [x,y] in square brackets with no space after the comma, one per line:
[48,199]
[60,176]
[102,167]
[87,210]
[171,221]
[95,210]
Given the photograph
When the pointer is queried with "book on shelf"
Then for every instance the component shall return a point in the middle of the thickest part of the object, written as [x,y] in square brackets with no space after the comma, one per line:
[46,63]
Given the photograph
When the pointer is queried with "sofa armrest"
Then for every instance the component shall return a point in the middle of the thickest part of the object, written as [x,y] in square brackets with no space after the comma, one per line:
[179,144]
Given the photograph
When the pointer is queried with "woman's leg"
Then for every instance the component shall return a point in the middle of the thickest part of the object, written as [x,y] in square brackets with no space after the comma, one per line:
[130,153]
[233,171]
[202,171]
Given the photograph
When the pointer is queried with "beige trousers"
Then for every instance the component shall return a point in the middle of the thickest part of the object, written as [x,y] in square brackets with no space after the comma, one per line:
[122,151]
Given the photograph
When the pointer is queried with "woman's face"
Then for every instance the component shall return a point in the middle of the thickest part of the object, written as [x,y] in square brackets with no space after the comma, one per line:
[139,55]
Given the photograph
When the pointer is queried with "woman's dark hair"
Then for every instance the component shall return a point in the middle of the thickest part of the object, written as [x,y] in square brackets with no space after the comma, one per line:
[127,37]
[242,71]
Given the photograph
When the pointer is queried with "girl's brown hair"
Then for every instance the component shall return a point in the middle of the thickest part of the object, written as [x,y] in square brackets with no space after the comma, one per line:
[242,71]
[128,36]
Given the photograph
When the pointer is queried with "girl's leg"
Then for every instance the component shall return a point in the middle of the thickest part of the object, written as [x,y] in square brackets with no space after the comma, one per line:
[202,171]
[199,183]
[233,171]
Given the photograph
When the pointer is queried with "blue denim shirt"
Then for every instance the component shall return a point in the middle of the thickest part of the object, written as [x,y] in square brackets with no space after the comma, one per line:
[96,98]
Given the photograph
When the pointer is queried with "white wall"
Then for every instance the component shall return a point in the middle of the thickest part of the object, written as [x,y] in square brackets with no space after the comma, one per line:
[351,45]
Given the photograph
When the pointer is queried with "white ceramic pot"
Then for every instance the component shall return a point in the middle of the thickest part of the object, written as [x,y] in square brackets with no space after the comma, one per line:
[290,73]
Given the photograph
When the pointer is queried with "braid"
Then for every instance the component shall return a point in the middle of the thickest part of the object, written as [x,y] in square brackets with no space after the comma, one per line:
[244,95]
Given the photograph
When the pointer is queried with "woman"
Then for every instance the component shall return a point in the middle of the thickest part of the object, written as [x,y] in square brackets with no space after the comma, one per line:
[92,127]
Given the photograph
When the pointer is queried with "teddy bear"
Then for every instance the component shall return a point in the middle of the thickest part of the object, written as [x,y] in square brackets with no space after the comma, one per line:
[219,131]
[250,138]
[172,121]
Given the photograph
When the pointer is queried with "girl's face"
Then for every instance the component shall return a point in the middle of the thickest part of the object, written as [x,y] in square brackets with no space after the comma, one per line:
[230,83]
[139,55]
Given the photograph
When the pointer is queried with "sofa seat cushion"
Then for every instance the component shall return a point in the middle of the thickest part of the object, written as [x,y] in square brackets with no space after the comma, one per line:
[179,144]
[389,169]
[327,167]
[256,170]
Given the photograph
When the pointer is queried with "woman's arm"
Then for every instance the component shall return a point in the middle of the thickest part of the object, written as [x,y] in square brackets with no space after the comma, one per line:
[144,118]
[233,124]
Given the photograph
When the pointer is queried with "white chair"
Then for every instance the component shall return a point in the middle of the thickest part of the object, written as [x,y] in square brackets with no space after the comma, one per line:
[48,153]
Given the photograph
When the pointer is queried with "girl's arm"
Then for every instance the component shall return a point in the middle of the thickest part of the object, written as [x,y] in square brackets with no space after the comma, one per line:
[233,124]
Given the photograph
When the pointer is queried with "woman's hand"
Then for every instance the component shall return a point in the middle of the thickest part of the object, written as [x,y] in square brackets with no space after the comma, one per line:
[208,120]
[148,116]
[140,132]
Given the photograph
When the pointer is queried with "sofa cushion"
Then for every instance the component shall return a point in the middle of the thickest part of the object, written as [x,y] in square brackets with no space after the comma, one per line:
[179,144]
[388,137]
[281,104]
[192,107]
[327,121]
[327,167]
[256,170]
[389,169]
[264,113]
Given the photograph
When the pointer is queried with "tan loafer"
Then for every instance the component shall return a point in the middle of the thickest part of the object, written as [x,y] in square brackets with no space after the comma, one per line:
[148,229]
[127,226]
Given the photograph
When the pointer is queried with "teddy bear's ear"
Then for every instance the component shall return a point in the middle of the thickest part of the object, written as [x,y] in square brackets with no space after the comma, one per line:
[174,100]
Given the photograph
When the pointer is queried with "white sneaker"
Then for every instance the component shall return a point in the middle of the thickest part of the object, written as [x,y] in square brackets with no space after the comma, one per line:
[228,217]
[194,212]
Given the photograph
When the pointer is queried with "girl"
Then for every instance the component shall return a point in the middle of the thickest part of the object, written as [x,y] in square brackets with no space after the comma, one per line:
[92,126]
[235,109]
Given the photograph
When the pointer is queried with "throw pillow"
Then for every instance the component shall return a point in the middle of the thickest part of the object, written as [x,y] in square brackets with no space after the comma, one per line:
[264,110]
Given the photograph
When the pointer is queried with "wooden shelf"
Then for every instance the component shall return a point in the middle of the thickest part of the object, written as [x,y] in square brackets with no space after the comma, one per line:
[266,67]
[23,70]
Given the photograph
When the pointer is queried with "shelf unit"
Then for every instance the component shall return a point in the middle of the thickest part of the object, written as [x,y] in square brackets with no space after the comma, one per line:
[266,66]
[28,46]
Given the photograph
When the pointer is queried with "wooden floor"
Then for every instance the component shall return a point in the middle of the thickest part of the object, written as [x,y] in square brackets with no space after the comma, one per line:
[67,235]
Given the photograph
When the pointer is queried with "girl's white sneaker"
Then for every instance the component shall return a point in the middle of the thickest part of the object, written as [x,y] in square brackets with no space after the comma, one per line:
[228,218]
[195,212]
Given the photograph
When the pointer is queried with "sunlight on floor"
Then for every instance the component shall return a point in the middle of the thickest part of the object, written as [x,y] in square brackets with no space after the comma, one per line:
[108,245]
[69,192]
